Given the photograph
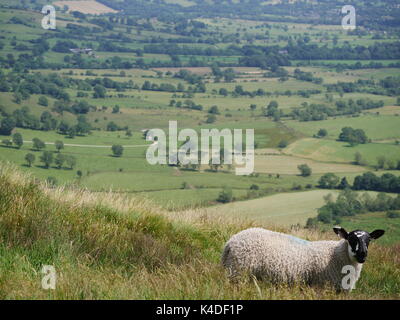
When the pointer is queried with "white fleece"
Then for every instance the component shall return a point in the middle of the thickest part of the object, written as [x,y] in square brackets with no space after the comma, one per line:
[279,257]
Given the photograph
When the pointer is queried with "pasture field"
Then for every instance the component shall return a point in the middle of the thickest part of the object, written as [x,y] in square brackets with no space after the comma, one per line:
[288,165]
[279,209]
[85,6]
[376,127]
[143,109]
[291,209]
[330,150]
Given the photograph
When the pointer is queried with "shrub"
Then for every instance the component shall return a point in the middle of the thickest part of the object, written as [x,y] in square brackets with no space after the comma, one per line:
[305,170]
[392,214]
[283,144]
[51,181]
[225,195]
[117,150]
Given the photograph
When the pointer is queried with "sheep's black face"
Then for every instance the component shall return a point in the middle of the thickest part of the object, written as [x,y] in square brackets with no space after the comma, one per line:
[358,241]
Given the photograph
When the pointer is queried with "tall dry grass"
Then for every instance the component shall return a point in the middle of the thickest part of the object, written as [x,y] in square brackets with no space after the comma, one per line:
[106,246]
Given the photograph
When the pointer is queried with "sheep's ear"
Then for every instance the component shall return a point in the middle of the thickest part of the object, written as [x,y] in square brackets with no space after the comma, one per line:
[377,234]
[341,232]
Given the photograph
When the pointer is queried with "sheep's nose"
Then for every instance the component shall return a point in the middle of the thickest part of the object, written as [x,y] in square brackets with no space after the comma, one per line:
[361,257]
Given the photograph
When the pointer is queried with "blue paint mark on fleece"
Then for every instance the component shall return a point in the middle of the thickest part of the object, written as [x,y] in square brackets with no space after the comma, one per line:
[298,240]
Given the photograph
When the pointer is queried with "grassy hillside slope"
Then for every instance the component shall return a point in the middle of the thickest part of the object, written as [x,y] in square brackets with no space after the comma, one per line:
[109,247]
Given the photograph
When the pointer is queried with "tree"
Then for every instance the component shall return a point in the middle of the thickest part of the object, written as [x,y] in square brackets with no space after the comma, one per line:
[30,159]
[128,133]
[283,144]
[305,170]
[254,187]
[83,126]
[214,110]
[353,136]
[322,133]
[47,158]
[225,195]
[59,145]
[71,132]
[115,109]
[272,109]
[43,101]
[381,161]
[38,144]
[358,159]
[112,126]
[70,161]
[59,160]
[343,184]
[223,92]
[6,126]
[7,142]
[17,140]
[117,150]
[328,181]
[253,107]
[99,91]
[211,118]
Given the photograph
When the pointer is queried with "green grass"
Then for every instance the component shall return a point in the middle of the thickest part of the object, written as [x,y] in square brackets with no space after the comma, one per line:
[280,209]
[110,248]
[376,127]
[335,151]
[371,221]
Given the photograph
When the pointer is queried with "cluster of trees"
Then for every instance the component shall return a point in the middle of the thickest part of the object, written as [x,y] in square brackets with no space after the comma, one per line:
[388,86]
[350,203]
[316,112]
[22,118]
[17,140]
[272,110]
[367,181]
[25,84]
[182,21]
[188,104]
[169,87]
[53,85]
[306,76]
[332,181]
[48,157]
[353,136]
[375,17]
[82,127]
[228,74]
[353,107]
[189,77]
[260,92]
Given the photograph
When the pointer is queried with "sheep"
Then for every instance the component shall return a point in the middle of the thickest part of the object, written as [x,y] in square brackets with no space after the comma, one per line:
[283,258]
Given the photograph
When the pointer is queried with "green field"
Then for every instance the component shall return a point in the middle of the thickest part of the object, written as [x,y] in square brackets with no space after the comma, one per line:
[116,227]
[280,209]
[335,151]
[377,127]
